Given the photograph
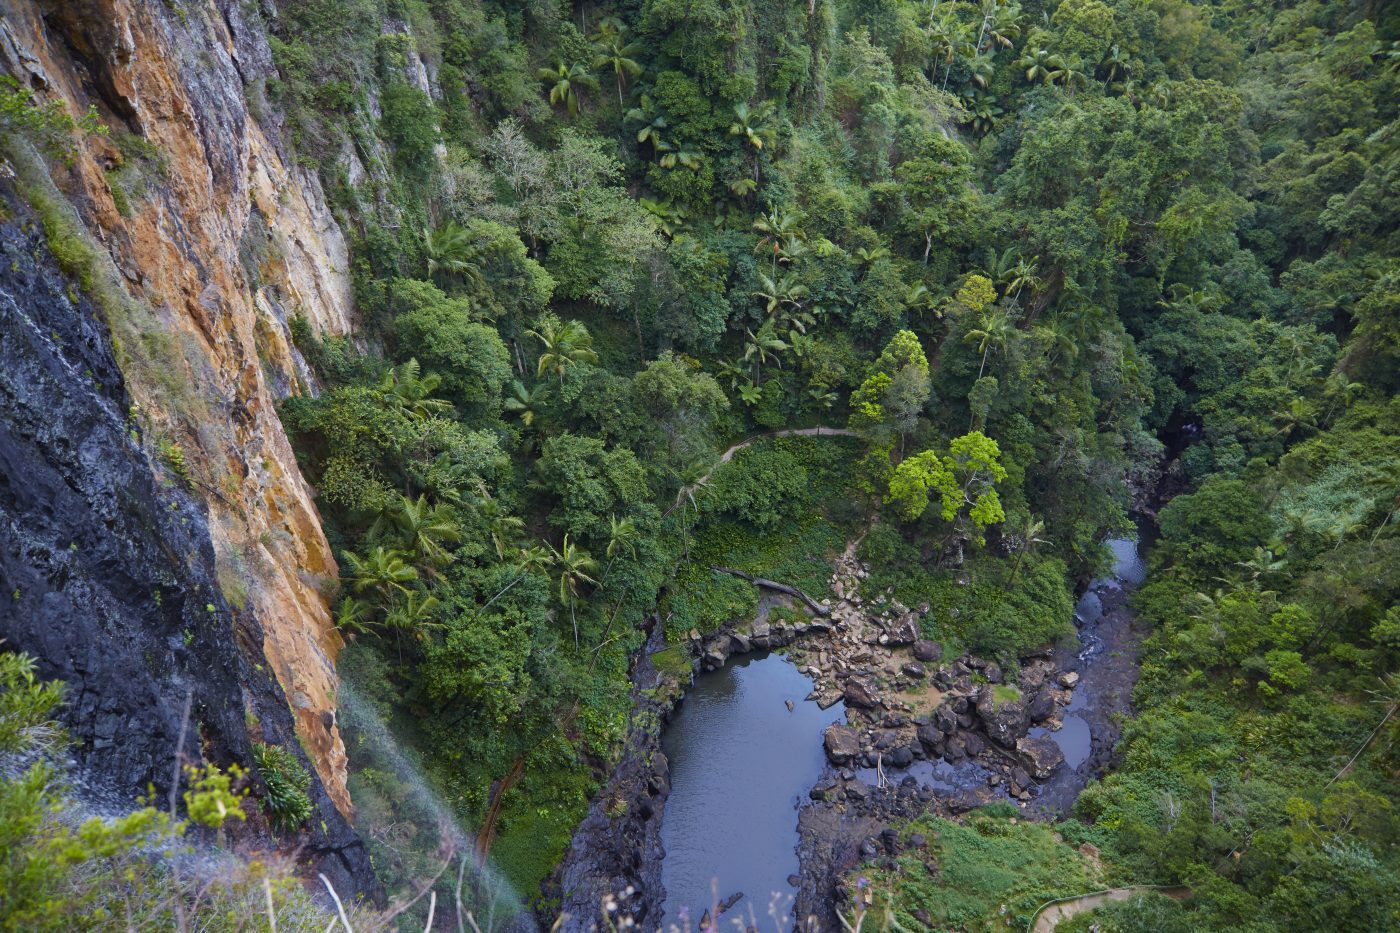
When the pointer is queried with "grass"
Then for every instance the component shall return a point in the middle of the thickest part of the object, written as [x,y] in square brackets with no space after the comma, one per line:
[980,609]
[797,553]
[1005,693]
[994,871]
[674,661]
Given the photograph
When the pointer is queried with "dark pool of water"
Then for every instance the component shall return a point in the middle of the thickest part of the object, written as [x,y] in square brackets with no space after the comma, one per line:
[740,764]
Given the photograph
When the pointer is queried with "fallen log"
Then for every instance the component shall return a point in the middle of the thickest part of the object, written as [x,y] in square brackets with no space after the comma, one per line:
[792,591]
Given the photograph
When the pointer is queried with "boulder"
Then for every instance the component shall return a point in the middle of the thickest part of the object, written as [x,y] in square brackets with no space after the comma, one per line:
[1069,679]
[715,653]
[954,749]
[1041,754]
[761,635]
[913,669]
[905,631]
[993,674]
[1005,722]
[860,693]
[842,743]
[901,757]
[927,651]
[973,744]
[945,720]
[1032,676]
[1041,708]
[930,737]
[739,644]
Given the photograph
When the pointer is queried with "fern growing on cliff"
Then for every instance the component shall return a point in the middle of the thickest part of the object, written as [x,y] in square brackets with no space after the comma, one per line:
[286,802]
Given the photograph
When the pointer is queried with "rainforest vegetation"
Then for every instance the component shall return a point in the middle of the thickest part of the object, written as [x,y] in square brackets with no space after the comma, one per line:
[1050,264]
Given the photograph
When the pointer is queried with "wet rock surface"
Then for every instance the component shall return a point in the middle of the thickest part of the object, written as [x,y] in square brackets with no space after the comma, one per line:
[107,567]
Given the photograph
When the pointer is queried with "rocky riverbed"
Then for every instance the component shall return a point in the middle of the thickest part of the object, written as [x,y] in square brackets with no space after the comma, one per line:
[924,732]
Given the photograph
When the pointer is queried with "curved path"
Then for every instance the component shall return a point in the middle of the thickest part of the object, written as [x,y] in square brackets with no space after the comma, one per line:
[818,431]
[1050,914]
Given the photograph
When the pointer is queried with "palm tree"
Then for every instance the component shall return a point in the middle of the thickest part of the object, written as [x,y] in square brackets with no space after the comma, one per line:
[1115,65]
[622,536]
[1024,274]
[752,124]
[565,344]
[412,616]
[1262,565]
[1185,298]
[1299,416]
[615,55]
[762,347]
[1068,76]
[566,84]
[1001,22]
[1040,65]
[992,332]
[684,155]
[821,398]
[1029,535]
[382,571]
[670,217]
[983,110]
[501,526]
[981,70]
[406,391]
[866,257]
[525,403]
[534,558]
[653,121]
[732,371]
[353,616]
[785,292]
[451,252]
[780,232]
[423,530]
[575,564]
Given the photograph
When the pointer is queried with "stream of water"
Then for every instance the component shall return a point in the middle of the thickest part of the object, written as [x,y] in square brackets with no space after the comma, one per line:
[745,748]
[741,761]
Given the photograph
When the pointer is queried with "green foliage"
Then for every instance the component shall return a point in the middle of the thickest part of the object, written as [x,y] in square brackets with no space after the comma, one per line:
[409,125]
[65,870]
[50,126]
[993,872]
[963,478]
[762,486]
[1123,239]
[285,781]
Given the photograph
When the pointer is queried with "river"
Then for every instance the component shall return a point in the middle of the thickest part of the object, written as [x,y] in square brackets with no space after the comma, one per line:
[742,762]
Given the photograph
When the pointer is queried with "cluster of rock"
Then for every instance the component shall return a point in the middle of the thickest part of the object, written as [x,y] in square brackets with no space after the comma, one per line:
[715,650]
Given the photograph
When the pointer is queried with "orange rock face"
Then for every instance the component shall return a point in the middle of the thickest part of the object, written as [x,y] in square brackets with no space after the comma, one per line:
[225,244]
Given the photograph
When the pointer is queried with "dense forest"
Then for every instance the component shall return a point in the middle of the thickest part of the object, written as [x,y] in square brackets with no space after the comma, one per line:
[1053,268]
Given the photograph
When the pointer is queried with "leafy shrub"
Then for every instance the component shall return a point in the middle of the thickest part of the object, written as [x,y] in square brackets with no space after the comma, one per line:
[762,486]
[287,803]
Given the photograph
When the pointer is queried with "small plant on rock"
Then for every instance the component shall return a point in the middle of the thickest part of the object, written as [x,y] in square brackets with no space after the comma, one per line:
[286,802]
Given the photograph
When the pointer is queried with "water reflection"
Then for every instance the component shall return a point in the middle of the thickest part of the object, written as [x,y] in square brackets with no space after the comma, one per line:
[740,764]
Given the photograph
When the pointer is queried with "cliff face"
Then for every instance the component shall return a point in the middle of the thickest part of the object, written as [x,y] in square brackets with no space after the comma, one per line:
[221,242]
[106,565]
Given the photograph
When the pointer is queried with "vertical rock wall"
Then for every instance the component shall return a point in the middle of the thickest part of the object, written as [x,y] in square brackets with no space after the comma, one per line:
[221,245]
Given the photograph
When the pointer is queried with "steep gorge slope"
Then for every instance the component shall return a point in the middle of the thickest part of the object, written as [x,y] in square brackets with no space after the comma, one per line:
[217,248]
